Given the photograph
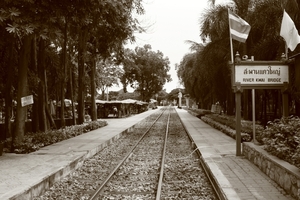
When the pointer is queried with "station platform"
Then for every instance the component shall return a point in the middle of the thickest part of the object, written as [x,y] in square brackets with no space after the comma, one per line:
[235,176]
[24,176]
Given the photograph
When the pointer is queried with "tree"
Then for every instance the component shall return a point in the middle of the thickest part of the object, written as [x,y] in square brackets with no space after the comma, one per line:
[108,74]
[7,81]
[16,18]
[194,77]
[121,95]
[32,27]
[161,96]
[264,43]
[107,32]
[146,71]
[22,91]
[32,22]
[216,54]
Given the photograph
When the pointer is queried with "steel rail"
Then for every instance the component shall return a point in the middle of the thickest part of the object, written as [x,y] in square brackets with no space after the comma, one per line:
[161,174]
[215,186]
[99,189]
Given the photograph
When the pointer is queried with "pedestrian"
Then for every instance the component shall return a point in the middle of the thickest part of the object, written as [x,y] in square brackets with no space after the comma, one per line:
[115,111]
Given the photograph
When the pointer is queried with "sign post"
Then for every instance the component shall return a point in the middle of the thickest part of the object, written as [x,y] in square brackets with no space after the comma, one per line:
[258,75]
[253,114]
[238,94]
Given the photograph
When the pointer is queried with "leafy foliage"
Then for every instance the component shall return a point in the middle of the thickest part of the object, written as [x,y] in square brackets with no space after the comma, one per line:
[282,139]
[199,112]
[34,141]
[227,125]
[68,37]
[108,73]
[146,71]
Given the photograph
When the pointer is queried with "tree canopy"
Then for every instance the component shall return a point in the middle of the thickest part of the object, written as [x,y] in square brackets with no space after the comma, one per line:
[54,46]
[205,71]
[146,71]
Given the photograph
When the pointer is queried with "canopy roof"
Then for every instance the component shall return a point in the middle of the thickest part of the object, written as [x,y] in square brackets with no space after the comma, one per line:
[126,101]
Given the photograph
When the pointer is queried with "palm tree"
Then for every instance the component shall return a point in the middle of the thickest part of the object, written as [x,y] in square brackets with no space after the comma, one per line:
[216,54]
[264,42]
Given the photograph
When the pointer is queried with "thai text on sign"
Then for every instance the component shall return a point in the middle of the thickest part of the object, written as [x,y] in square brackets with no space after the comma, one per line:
[261,74]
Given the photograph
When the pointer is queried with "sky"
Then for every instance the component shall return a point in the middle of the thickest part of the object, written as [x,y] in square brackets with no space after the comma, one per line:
[170,24]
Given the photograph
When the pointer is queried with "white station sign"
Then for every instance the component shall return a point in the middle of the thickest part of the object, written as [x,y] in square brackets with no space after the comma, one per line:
[261,74]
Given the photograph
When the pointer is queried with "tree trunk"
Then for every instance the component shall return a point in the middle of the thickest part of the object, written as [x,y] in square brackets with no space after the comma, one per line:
[22,89]
[47,104]
[93,91]
[72,96]
[9,92]
[62,99]
[81,74]
[8,110]
[52,123]
[63,79]
[35,115]
[42,107]
[42,101]
[35,107]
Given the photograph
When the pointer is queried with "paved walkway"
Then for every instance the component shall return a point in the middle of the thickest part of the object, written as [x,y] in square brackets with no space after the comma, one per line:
[24,176]
[236,177]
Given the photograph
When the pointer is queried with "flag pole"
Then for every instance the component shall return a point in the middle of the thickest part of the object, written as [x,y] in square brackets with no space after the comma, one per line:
[286,50]
[231,48]
[285,45]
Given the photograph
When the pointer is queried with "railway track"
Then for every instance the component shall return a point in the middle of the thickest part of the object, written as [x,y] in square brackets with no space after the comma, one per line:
[155,161]
[136,174]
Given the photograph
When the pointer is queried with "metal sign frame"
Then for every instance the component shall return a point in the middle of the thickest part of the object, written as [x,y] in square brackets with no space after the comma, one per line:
[260,70]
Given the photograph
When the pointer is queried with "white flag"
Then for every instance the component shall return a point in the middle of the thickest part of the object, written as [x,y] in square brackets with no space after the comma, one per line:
[289,32]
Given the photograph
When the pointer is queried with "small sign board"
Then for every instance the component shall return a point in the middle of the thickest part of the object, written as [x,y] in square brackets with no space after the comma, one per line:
[28,100]
[261,74]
